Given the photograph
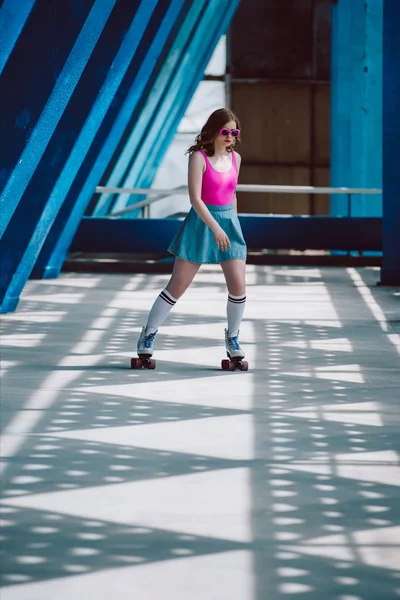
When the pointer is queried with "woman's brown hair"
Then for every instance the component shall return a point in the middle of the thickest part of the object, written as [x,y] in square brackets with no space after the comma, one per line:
[215,122]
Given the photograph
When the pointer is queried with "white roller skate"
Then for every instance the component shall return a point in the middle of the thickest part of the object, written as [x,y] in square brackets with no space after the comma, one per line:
[234,353]
[145,350]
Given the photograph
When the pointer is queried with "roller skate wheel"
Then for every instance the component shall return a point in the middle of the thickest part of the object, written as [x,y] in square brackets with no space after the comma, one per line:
[245,365]
[225,364]
[136,363]
[151,364]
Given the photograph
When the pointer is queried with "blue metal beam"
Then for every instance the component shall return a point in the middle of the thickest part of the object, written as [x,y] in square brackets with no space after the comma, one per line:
[67,131]
[152,236]
[164,122]
[54,108]
[124,104]
[340,115]
[356,103]
[13,16]
[72,105]
[165,79]
[390,273]
[200,58]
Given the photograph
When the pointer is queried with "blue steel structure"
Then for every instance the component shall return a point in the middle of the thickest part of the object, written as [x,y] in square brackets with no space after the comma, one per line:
[153,116]
[152,236]
[356,104]
[73,103]
[13,16]
[390,271]
[126,105]
[100,97]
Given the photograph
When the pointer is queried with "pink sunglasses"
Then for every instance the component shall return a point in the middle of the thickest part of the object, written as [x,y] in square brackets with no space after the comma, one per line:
[234,132]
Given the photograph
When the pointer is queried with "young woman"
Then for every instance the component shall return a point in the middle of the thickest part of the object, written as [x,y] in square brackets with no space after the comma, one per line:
[211,232]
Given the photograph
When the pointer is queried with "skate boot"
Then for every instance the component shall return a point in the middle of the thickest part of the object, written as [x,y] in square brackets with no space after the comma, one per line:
[145,350]
[234,353]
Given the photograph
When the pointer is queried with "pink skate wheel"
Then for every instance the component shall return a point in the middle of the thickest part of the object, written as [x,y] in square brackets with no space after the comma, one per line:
[225,364]
[245,365]
[152,364]
[136,363]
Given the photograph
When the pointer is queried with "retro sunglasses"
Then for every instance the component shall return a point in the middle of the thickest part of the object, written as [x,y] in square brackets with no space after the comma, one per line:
[234,132]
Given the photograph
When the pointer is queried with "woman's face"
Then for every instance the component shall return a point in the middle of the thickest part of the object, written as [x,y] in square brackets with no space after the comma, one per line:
[224,141]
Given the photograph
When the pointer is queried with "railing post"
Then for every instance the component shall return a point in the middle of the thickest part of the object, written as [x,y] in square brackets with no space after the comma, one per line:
[349,213]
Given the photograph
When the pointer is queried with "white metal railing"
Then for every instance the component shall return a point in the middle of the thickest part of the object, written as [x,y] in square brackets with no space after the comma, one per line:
[157,194]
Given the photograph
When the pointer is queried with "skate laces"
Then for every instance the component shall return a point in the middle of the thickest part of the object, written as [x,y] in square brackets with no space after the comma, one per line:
[233,343]
[149,339]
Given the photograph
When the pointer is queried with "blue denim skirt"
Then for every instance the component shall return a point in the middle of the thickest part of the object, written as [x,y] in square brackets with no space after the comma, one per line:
[195,242]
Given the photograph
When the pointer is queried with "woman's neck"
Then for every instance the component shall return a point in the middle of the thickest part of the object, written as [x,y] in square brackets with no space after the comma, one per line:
[220,152]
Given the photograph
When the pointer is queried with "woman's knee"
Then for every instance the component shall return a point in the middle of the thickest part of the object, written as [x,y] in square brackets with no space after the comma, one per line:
[236,283]
[237,288]
[235,277]
[176,289]
[179,283]
[181,278]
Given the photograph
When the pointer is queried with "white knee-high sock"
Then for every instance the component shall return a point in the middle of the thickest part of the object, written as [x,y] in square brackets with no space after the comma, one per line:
[234,311]
[160,310]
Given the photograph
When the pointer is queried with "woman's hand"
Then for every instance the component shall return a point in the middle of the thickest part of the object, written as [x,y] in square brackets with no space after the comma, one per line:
[221,239]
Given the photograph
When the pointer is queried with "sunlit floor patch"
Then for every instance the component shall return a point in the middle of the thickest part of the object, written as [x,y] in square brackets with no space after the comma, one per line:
[194,503]
[188,391]
[223,437]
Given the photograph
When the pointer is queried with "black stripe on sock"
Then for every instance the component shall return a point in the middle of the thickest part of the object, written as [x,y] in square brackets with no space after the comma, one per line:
[237,300]
[164,296]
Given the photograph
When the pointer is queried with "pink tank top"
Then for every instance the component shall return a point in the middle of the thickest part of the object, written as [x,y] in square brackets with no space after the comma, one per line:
[218,188]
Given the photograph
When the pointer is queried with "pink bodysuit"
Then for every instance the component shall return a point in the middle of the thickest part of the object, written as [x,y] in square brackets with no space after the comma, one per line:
[218,188]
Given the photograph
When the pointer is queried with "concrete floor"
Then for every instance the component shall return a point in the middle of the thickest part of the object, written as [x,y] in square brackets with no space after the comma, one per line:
[189,482]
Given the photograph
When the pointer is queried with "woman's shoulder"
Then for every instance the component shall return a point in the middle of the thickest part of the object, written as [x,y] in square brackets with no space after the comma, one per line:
[198,153]
[237,157]
[197,157]
[197,160]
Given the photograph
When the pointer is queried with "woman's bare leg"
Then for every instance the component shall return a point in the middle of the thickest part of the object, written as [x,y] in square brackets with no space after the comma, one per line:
[182,276]
[235,276]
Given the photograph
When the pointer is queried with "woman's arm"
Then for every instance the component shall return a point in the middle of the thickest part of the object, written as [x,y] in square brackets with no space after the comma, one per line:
[238,162]
[195,176]
[235,202]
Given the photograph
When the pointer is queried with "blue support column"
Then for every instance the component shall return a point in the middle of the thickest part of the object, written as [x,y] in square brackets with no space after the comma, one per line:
[340,168]
[356,125]
[390,272]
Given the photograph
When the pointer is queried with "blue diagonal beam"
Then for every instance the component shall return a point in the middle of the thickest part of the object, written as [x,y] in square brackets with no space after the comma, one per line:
[28,78]
[164,123]
[145,176]
[13,16]
[164,79]
[54,174]
[59,239]
[52,112]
